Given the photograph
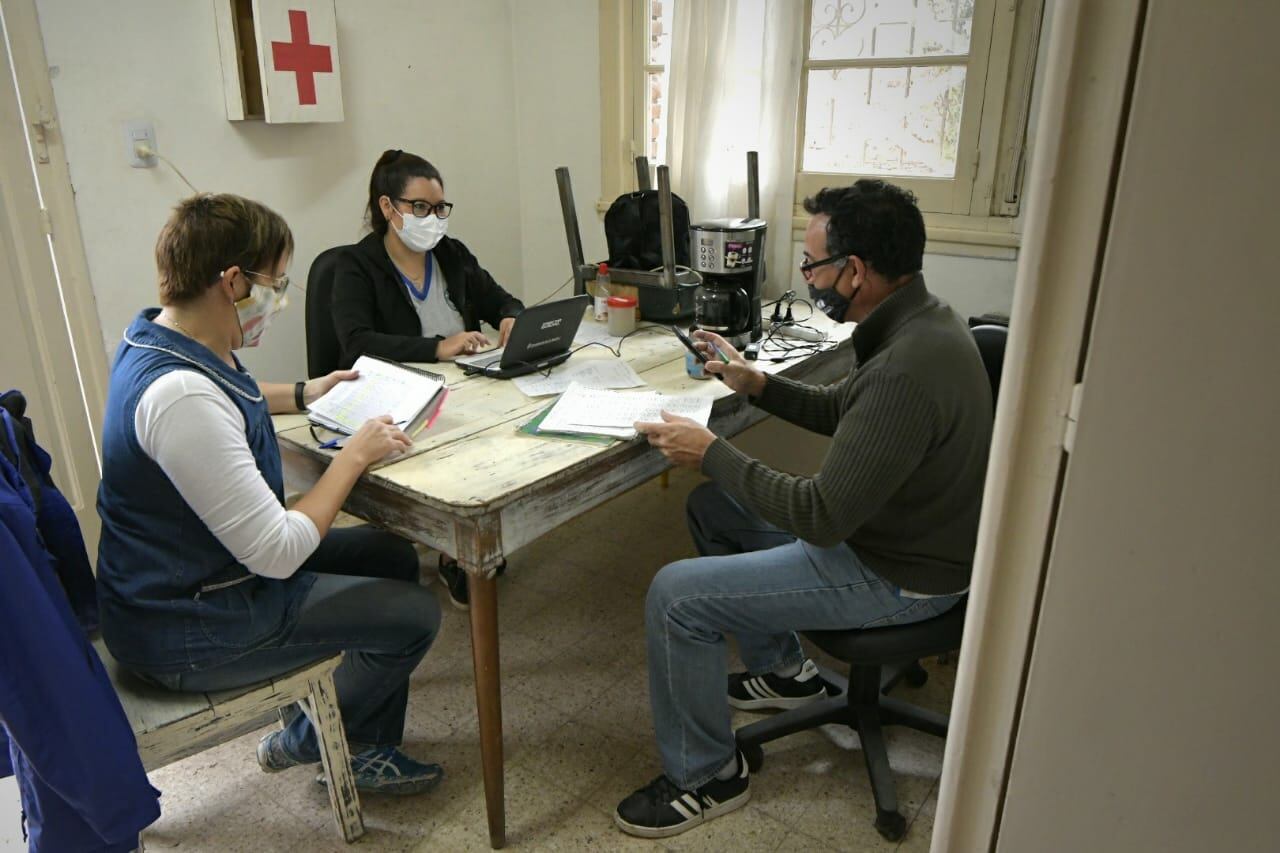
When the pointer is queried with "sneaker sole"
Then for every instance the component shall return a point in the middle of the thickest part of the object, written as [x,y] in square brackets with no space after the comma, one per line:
[395,789]
[668,831]
[780,704]
[458,605]
[263,761]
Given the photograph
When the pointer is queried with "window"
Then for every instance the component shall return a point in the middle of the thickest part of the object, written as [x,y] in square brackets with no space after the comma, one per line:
[931,94]
[895,88]
[657,56]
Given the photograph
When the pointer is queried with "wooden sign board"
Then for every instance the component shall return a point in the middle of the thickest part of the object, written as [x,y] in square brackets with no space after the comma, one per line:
[279,60]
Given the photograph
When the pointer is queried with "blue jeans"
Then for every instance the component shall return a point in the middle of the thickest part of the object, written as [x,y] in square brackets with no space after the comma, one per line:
[761,584]
[366,602]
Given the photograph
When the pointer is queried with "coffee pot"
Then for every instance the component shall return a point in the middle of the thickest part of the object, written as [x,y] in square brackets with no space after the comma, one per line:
[729,256]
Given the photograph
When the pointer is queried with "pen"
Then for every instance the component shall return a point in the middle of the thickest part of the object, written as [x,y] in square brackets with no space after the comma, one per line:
[723,357]
[337,442]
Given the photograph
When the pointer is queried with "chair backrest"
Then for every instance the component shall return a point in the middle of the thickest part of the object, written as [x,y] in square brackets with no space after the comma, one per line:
[323,352]
[991,340]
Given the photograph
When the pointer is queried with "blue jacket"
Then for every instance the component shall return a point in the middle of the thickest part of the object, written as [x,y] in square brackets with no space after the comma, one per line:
[82,784]
[173,597]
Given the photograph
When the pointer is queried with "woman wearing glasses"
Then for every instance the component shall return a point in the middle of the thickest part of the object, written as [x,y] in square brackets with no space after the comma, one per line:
[406,291]
[206,581]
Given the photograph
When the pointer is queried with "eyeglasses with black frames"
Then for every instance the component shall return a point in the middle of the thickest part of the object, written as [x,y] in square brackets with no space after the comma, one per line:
[808,267]
[422,207]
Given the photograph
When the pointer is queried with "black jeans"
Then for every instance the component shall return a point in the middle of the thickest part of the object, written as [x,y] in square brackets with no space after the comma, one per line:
[366,602]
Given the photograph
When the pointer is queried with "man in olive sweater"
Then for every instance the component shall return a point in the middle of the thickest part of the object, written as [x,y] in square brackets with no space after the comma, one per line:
[882,534]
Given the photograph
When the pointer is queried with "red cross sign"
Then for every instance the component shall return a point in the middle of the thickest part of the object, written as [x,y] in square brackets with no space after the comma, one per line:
[302,57]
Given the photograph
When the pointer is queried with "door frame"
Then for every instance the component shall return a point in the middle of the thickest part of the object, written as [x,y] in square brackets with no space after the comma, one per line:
[1089,63]
[35,94]
[45,230]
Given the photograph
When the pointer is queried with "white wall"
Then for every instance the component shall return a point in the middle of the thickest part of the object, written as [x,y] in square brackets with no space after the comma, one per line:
[436,79]
[557,124]
[1148,717]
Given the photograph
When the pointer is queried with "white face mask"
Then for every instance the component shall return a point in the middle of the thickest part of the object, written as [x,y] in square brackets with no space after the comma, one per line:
[421,234]
[256,311]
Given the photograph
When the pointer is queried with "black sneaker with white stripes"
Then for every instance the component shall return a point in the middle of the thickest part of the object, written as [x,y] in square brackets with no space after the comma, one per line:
[661,809]
[749,692]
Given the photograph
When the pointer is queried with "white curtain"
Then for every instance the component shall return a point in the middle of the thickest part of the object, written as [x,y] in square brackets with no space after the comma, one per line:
[734,87]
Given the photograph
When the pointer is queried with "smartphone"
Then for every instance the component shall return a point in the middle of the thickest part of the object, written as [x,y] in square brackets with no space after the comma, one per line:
[688,344]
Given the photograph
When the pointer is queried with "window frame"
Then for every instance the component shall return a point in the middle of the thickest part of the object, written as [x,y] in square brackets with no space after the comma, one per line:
[978,211]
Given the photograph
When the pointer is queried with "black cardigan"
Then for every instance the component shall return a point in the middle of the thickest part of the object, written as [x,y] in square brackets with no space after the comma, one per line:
[373,313]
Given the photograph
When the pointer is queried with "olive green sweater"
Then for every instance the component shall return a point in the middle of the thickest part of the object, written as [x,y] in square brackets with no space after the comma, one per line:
[911,427]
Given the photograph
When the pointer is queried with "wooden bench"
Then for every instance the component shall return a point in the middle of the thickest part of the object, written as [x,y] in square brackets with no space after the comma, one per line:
[170,726]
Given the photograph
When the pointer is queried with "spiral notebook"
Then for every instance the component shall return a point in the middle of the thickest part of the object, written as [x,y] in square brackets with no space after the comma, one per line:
[411,396]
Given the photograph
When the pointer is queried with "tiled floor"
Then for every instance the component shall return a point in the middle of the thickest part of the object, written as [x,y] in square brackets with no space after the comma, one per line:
[578,733]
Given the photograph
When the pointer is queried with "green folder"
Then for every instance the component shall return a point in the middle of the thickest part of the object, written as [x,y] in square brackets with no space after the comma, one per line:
[532,428]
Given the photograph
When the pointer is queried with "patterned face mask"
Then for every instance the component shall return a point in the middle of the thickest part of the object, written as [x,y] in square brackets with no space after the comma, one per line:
[256,311]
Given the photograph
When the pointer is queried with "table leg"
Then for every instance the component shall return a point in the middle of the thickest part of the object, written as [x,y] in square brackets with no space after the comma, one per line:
[484,655]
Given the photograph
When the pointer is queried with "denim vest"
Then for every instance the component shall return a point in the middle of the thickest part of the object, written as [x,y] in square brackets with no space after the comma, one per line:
[173,599]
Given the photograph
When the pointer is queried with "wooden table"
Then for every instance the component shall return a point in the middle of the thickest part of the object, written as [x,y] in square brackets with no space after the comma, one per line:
[477,490]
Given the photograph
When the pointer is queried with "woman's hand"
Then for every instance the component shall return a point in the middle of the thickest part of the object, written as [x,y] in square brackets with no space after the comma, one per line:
[321,385]
[463,343]
[736,372]
[373,441]
[504,330]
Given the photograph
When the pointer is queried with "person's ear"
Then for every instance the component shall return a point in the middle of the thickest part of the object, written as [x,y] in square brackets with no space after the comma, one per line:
[228,282]
[388,209]
[857,274]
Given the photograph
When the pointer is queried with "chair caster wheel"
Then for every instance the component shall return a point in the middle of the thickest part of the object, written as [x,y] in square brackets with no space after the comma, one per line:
[754,755]
[891,825]
[916,675]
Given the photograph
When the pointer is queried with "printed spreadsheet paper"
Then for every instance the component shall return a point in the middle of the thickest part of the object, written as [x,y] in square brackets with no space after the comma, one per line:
[596,411]
[382,388]
[607,373]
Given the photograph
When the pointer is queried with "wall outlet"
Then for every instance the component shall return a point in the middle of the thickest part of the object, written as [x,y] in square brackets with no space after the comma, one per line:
[136,133]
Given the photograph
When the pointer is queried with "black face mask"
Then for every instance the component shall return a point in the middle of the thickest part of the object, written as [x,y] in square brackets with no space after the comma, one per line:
[830,302]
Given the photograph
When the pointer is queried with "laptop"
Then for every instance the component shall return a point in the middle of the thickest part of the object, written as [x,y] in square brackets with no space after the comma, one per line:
[539,340]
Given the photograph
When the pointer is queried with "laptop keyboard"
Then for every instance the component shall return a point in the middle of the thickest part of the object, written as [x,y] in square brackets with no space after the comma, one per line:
[484,359]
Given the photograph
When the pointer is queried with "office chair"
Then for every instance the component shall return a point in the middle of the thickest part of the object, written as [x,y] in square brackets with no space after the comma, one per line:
[323,351]
[878,659]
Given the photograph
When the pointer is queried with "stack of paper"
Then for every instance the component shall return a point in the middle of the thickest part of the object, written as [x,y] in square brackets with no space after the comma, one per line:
[597,373]
[410,396]
[593,411]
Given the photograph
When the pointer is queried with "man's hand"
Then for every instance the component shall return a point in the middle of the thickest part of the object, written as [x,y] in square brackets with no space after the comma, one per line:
[321,385]
[504,330]
[737,372]
[682,440]
[463,343]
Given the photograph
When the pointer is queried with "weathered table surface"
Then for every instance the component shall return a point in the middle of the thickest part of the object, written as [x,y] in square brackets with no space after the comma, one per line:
[476,489]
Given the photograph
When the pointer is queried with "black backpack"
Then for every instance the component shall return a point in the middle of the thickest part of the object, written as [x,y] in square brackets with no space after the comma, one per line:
[631,229]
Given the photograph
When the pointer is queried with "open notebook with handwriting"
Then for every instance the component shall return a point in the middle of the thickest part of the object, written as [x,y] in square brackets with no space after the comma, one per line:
[594,411]
[412,397]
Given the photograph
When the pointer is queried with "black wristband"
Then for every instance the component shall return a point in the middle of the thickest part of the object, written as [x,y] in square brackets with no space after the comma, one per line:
[298,388]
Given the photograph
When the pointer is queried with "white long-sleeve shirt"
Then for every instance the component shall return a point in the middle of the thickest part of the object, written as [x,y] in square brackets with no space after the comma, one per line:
[196,434]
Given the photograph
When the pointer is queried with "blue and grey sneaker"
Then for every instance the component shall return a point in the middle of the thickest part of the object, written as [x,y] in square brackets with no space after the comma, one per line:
[274,756]
[387,770]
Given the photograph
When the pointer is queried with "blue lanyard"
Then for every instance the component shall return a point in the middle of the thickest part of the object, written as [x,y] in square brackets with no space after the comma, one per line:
[419,295]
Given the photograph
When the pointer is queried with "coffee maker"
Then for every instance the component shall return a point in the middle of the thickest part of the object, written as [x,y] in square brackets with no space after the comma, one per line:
[729,255]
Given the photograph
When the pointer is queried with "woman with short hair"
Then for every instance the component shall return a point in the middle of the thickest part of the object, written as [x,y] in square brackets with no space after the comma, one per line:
[206,580]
